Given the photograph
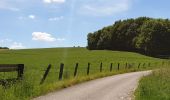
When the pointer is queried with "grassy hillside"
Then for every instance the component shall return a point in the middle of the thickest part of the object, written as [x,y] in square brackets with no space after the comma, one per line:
[37,60]
[155,86]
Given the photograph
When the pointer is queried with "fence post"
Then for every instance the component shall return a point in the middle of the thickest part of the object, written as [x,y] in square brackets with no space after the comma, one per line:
[149,64]
[143,64]
[88,69]
[118,65]
[61,71]
[20,71]
[126,66]
[45,74]
[139,65]
[75,71]
[129,66]
[101,65]
[111,66]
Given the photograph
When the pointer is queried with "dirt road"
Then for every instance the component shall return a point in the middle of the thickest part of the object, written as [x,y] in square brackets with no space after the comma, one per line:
[117,87]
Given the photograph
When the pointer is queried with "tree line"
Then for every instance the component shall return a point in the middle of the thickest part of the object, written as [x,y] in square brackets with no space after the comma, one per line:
[4,48]
[145,35]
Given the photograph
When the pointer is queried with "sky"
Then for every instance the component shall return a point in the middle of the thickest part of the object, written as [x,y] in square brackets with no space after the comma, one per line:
[66,23]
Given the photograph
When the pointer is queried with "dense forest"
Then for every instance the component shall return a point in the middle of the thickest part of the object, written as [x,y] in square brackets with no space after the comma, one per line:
[145,35]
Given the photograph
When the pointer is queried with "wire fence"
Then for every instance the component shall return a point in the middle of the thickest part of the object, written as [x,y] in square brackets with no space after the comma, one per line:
[57,72]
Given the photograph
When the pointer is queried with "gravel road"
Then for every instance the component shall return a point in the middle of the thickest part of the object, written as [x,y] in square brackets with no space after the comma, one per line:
[117,87]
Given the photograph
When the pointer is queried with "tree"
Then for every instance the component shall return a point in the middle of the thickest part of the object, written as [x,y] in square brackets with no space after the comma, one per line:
[145,35]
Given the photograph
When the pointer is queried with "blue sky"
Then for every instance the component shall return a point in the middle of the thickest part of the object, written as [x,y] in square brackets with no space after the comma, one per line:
[66,23]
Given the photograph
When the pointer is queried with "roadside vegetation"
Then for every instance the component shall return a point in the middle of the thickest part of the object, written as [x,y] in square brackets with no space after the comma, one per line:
[37,60]
[155,86]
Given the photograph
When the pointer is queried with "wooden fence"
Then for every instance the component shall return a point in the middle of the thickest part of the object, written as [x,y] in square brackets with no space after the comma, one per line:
[13,67]
[88,68]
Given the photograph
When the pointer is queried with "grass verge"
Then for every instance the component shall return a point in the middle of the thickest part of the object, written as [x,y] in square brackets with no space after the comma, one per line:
[155,86]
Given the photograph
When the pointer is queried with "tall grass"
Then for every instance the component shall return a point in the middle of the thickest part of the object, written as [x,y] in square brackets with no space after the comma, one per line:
[37,60]
[155,86]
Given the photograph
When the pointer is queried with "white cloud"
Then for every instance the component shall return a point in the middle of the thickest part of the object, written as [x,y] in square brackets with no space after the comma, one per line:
[105,7]
[5,41]
[27,17]
[42,36]
[31,16]
[60,39]
[11,44]
[16,45]
[54,1]
[6,6]
[56,18]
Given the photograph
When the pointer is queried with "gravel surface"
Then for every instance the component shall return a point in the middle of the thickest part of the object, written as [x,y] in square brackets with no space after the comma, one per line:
[117,87]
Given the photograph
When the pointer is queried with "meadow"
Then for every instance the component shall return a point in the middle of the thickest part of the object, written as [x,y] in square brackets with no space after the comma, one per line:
[37,60]
[155,86]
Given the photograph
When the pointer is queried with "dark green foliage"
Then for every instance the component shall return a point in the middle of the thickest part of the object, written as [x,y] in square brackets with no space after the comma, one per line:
[145,35]
[4,48]
[154,37]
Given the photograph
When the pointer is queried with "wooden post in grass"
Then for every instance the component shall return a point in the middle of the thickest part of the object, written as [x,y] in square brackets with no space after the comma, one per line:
[88,69]
[45,74]
[75,71]
[118,66]
[20,71]
[61,71]
[129,66]
[139,65]
[149,64]
[101,65]
[111,66]
[143,64]
[13,67]
[126,65]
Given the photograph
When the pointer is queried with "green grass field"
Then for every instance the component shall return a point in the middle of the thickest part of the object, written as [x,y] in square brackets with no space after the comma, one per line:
[155,86]
[37,60]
